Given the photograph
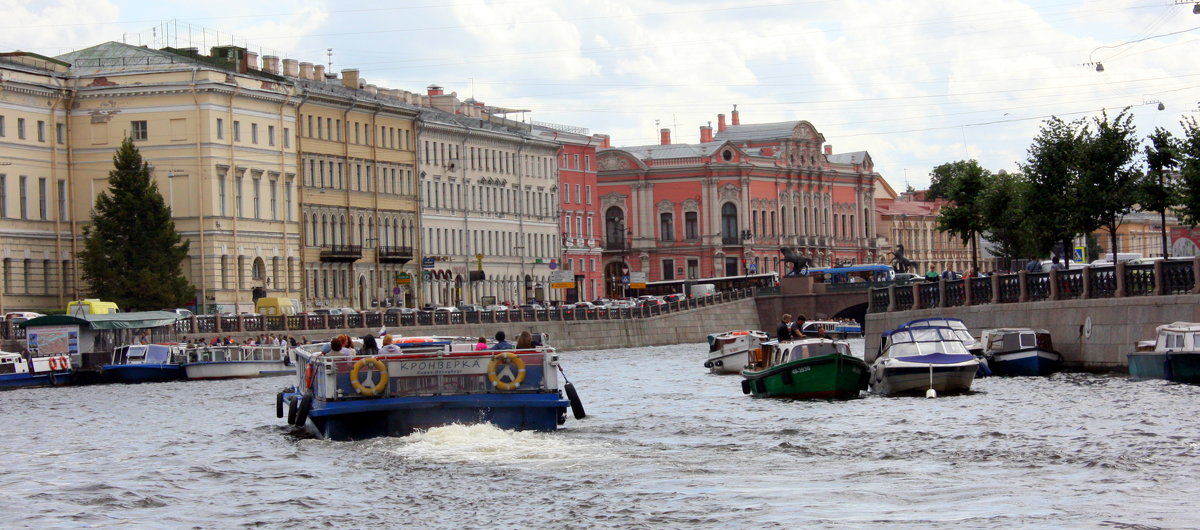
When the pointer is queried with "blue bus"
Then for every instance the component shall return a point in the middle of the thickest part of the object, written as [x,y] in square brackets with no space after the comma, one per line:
[864,274]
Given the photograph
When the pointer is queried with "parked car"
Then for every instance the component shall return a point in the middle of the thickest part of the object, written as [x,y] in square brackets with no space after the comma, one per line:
[470,308]
[904,278]
[677,297]
[446,309]
[533,306]
[401,310]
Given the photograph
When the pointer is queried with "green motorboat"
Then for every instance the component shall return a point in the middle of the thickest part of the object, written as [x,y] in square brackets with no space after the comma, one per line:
[805,369]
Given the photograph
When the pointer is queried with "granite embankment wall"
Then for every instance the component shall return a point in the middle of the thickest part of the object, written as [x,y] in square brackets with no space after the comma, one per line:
[1094,334]
[689,326]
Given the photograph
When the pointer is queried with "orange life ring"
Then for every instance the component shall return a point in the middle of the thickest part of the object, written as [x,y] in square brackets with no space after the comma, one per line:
[308,375]
[495,378]
[412,340]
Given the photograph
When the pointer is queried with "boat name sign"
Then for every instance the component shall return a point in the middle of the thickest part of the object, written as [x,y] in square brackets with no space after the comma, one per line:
[427,367]
[801,369]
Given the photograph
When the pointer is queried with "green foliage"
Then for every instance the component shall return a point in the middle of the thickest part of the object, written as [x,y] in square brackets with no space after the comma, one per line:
[1052,170]
[1158,191]
[1109,180]
[1002,206]
[961,183]
[132,253]
[1188,199]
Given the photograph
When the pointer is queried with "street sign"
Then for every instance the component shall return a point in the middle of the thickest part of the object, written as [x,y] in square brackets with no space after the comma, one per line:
[395,290]
[1079,254]
[637,280]
[403,279]
[427,263]
[560,279]
[751,267]
[553,265]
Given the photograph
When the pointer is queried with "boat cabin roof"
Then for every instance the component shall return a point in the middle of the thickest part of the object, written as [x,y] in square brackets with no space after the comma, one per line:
[808,348]
[921,340]
[9,357]
[1178,337]
[1180,327]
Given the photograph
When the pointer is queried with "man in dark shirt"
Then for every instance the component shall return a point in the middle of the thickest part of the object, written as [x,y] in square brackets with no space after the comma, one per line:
[501,344]
[784,331]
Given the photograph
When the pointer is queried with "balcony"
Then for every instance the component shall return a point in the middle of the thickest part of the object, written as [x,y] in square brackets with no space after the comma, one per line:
[341,253]
[392,254]
[730,241]
[614,245]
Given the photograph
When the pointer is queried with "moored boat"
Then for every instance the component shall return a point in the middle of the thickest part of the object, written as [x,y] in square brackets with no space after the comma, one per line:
[923,359]
[146,363]
[237,362]
[1020,351]
[431,382]
[805,369]
[727,350]
[1176,355]
[19,371]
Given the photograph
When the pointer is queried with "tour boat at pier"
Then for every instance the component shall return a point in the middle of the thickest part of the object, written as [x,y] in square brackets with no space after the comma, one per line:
[929,359]
[430,382]
[1176,355]
[727,350]
[1020,351]
[236,362]
[805,369]
[146,363]
[18,371]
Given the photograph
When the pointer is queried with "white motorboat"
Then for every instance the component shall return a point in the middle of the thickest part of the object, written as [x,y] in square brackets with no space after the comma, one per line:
[727,350]
[237,362]
[928,360]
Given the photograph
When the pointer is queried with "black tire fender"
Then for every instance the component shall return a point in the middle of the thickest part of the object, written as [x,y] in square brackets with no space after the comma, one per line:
[303,410]
[292,410]
[279,405]
[576,404]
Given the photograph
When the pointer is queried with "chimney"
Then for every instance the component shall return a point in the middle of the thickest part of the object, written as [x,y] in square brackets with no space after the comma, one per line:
[271,64]
[605,141]
[734,117]
[433,90]
[720,123]
[665,135]
[350,78]
[319,73]
[306,70]
[252,60]
[291,68]
[706,133]
[829,149]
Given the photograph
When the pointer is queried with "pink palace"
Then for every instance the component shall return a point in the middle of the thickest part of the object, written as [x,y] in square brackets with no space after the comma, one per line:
[726,206]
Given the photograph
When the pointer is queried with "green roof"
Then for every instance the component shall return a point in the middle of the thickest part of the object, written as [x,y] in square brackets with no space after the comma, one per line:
[134,320]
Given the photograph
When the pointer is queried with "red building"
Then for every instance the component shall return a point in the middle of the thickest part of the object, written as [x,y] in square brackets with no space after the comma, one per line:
[578,217]
[726,206]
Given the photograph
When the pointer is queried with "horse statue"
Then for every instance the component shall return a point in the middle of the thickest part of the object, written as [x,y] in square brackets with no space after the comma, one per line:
[799,262]
[902,264]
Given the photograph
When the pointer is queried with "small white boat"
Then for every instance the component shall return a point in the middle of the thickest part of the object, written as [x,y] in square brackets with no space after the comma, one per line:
[928,360]
[1175,356]
[727,350]
[237,362]
[18,371]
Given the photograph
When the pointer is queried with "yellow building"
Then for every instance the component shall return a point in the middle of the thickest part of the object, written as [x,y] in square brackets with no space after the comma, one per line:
[268,194]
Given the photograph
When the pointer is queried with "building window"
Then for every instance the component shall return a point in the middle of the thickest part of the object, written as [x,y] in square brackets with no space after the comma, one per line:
[693,269]
[691,226]
[668,269]
[587,165]
[2,132]
[62,200]
[271,135]
[24,193]
[729,226]
[3,196]
[43,200]
[220,129]
[60,133]
[221,193]
[287,138]
[254,133]
[237,131]
[237,196]
[41,129]
[138,130]
[257,185]
[21,128]
[588,192]
[666,226]
[731,266]
[274,200]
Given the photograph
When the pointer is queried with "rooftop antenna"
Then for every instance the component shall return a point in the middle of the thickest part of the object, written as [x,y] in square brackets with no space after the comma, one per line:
[329,53]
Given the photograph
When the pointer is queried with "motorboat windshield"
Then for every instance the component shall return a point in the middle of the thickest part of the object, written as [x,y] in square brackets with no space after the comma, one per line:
[959,327]
[817,349]
[906,342]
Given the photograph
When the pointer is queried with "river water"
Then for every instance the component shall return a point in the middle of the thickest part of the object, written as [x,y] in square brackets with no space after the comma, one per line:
[665,445]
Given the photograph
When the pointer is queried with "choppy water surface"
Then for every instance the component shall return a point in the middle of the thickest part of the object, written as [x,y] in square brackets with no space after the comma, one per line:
[665,445]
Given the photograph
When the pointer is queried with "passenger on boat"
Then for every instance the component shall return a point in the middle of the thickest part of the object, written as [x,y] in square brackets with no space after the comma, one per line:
[784,331]
[388,347]
[798,327]
[481,345]
[501,344]
[524,341]
[369,347]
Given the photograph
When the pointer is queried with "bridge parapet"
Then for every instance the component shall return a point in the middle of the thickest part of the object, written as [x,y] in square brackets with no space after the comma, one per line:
[1162,277]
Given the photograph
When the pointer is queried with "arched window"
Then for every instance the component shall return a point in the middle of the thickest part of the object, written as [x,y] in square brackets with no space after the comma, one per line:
[666,226]
[258,270]
[729,223]
[614,228]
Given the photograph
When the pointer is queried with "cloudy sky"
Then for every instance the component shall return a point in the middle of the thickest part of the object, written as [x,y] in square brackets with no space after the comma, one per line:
[915,83]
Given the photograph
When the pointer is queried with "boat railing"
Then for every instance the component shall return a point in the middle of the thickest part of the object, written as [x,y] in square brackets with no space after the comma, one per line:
[425,373]
[1159,277]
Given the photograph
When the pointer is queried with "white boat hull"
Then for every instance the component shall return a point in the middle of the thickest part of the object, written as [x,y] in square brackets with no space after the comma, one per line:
[727,363]
[237,369]
[890,377]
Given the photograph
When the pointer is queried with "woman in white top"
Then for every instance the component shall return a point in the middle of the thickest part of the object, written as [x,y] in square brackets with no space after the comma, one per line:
[388,347]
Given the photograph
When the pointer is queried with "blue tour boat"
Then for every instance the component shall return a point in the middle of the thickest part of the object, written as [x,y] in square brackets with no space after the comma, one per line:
[18,371]
[146,363]
[1020,351]
[427,382]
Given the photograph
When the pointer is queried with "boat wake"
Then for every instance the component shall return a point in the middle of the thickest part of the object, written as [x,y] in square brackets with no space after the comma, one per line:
[486,443]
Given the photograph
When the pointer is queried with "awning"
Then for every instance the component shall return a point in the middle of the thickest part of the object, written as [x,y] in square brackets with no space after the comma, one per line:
[133,320]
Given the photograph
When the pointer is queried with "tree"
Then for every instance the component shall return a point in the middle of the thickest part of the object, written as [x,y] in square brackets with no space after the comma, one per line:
[1002,206]
[1188,199]
[1157,192]
[132,253]
[1109,180]
[1053,175]
[961,183]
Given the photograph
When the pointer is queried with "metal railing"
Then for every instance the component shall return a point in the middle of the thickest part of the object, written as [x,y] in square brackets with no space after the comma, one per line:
[1162,277]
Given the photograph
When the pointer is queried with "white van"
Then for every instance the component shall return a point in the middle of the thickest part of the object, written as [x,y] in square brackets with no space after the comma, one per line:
[1106,259]
[703,289]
